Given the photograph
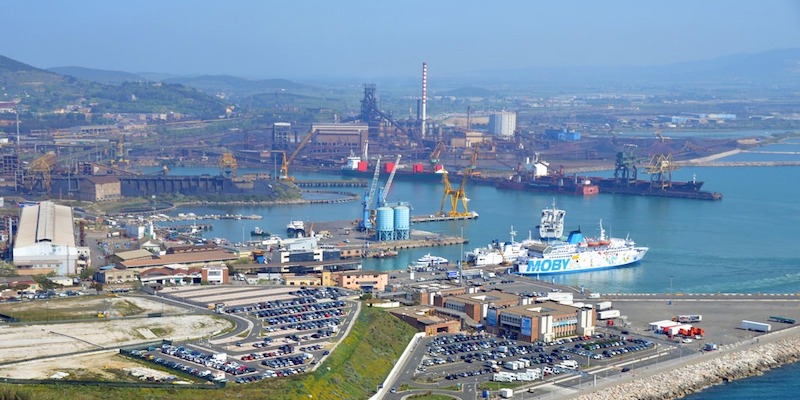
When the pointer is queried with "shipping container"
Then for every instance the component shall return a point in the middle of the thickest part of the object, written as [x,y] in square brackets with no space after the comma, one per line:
[688,318]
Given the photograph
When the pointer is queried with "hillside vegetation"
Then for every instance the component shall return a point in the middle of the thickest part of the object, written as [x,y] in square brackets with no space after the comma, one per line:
[43,91]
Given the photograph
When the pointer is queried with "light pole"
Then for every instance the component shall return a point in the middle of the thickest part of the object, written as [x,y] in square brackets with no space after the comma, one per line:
[670,290]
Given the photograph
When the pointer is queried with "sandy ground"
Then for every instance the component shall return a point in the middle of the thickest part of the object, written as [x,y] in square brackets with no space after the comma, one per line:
[22,343]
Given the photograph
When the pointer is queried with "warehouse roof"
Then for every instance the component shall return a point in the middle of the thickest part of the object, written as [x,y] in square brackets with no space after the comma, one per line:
[45,222]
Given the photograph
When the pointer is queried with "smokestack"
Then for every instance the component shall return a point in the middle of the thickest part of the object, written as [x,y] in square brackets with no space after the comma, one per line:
[424,96]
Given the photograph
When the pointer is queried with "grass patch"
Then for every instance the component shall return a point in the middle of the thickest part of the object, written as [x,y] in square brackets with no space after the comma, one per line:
[127,308]
[162,331]
[352,371]
[57,309]
[499,385]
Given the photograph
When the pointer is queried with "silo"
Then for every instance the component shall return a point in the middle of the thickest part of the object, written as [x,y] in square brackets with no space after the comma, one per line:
[402,223]
[384,224]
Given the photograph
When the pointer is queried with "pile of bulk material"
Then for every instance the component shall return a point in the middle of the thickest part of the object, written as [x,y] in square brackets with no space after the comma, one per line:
[691,378]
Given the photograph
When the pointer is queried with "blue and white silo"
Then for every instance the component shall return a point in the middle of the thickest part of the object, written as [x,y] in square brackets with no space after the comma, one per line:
[384,224]
[402,223]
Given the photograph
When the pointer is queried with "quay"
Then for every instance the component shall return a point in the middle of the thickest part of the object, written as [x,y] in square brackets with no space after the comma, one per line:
[331,183]
[439,218]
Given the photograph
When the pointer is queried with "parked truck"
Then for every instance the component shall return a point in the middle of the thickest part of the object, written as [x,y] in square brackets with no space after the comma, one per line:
[506,393]
[756,326]
[688,318]
[608,314]
[603,305]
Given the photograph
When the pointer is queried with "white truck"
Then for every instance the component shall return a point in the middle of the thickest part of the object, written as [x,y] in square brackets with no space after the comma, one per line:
[603,305]
[506,393]
[608,314]
[756,326]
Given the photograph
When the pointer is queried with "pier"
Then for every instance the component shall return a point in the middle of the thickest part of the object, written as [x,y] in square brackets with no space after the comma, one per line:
[439,218]
[332,183]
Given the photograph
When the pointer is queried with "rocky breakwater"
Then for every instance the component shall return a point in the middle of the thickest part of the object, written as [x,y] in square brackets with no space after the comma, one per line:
[711,369]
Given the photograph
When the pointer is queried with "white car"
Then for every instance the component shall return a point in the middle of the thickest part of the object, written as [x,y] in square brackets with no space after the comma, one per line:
[687,340]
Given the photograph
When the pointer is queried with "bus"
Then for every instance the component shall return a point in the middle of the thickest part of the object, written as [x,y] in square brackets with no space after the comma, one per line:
[782,319]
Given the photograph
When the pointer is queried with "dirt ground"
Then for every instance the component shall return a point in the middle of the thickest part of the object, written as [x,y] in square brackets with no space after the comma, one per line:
[22,346]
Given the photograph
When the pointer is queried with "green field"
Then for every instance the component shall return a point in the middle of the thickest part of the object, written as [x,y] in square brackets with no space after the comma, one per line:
[352,371]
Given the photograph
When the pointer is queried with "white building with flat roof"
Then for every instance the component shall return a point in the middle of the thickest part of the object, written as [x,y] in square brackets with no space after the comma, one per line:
[45,241]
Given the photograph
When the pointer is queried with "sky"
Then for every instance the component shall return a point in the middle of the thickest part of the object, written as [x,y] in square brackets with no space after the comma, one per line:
[296,39]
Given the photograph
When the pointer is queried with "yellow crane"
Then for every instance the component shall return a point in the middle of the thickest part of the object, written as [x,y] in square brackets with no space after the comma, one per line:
[456,196]
[284,175]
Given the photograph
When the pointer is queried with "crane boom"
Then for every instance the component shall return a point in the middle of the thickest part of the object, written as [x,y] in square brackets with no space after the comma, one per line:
[286,161]
[374,184]
[388,185]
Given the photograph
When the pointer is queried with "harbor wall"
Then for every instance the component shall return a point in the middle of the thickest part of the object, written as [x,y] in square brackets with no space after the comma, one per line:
[737,361]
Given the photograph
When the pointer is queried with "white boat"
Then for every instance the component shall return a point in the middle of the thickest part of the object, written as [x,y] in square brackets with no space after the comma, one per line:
[497,253]
[577,253]
[428,259]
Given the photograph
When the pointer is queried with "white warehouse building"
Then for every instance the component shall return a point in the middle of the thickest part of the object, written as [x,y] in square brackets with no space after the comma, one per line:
[503,124]
[45,241]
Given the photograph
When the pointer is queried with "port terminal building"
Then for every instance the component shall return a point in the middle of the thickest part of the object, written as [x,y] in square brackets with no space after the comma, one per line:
[547,321]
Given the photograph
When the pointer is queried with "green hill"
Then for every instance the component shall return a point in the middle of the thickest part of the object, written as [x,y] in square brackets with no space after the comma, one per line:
[237,87]
[98,75]
[45,92]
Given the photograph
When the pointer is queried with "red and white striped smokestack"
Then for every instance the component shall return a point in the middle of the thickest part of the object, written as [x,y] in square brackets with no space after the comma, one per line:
[424,96]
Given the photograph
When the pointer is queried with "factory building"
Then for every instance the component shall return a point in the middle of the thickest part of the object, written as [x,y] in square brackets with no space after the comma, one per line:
[99,188]
[503,124]
[45,241]
[545,322]
[338,139]
[282,135]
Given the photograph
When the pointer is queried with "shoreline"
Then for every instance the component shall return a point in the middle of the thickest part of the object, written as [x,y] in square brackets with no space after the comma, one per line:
[690,375]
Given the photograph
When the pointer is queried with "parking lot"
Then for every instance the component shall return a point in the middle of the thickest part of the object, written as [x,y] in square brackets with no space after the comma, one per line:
[460,356]
[296,328]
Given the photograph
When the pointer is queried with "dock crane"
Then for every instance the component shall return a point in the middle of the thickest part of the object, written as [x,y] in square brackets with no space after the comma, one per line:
[458,195]
[284,175]
[366,224]
[385,191]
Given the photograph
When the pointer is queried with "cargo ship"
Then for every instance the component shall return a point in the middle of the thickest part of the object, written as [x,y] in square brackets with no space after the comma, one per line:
[638,187]
[535,176]
[552,255]
[355,166]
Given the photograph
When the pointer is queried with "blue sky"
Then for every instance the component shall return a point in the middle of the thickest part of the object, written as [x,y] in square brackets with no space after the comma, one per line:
[361,38]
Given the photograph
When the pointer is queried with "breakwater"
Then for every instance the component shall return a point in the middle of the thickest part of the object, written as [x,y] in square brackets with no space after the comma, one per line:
[742,361]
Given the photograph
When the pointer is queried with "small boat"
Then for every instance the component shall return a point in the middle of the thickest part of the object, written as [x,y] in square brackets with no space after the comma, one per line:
[259,232]
[428,259]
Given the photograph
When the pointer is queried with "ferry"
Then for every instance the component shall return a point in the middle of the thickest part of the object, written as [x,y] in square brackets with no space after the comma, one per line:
[552,255]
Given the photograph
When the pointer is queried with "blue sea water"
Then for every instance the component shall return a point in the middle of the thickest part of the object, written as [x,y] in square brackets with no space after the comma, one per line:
[780,383]
[742,243]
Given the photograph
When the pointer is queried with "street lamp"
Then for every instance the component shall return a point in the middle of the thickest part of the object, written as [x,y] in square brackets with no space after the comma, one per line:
[670,290]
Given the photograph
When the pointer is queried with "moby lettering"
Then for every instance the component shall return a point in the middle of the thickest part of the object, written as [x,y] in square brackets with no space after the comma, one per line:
[547,265]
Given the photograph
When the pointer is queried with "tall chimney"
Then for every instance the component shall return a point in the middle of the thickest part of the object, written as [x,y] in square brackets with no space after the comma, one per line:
[424,96]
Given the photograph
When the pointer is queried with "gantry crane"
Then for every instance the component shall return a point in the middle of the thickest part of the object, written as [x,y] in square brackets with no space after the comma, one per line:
[227,165]
[660,170]
[458,195]
[39,173]
[284,175]
[436,153]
